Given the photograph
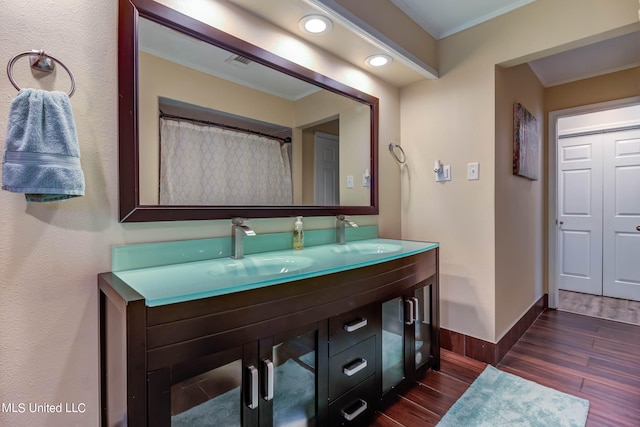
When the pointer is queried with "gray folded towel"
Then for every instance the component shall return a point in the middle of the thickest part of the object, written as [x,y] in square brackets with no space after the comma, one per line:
[42,155]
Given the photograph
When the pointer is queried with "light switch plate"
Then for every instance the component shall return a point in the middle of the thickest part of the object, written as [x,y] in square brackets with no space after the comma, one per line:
[473,171]
[350,181]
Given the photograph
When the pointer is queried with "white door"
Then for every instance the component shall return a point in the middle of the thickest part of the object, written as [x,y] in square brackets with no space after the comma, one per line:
[327,169]
[621,244]
[580,214]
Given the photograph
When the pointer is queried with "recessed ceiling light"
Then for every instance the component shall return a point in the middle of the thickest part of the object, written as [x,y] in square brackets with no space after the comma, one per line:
[378,60]
[316,24]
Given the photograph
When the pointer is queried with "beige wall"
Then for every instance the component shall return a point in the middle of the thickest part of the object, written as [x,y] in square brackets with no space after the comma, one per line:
[453,119]
[619,85]
[519,202]
[51,253]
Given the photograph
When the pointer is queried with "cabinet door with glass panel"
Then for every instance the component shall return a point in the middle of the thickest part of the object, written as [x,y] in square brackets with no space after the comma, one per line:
[269,382]
[410,330]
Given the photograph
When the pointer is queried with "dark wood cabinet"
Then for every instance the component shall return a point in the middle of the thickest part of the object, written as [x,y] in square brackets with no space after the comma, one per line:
[410,334]
[311,350]
[272,381]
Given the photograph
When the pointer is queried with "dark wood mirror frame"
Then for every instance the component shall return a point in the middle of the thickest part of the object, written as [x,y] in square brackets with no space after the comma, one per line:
[130,208]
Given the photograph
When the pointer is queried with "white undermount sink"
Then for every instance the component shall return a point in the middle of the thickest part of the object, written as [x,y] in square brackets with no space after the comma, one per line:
[367,248]
[259,265]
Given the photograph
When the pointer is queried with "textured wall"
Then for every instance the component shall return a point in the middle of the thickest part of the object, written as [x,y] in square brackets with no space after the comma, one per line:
[50,253]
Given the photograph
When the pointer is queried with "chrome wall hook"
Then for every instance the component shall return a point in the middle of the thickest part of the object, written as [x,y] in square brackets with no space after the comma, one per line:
[41,61]
[402,158]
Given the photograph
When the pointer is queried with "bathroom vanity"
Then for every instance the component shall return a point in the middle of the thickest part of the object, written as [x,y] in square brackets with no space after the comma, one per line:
[236,342]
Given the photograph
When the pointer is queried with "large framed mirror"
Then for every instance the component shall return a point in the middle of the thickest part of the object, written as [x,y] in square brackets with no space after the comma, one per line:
[213,127]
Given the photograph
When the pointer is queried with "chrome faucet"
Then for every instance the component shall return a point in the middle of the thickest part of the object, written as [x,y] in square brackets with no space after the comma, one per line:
[238,231]
[341,223]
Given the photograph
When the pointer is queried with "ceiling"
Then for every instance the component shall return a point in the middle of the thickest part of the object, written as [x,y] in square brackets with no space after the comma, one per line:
[345,40]
[441,18]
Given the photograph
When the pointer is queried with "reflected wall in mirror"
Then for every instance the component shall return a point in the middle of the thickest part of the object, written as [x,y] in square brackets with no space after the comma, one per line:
[213,127]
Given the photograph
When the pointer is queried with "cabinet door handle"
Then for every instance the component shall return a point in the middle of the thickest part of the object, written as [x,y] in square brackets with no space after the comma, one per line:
[354,325]
[268,380]
[416,308]
[349,416]
[354,367]
[252,400]
[638,228]
[408,312]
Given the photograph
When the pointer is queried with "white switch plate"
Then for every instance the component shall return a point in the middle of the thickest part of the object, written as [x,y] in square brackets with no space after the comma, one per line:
[350,181]
[445,175]
[365,180]
[473,171]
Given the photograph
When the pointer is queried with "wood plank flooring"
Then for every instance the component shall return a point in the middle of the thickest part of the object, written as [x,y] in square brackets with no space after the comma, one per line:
[592,358]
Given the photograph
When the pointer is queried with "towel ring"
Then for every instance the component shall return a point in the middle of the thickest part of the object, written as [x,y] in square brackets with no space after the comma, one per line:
[42,62]
[403,158]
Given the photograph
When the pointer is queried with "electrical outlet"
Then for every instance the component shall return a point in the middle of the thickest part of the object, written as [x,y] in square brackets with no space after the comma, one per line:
[473,171]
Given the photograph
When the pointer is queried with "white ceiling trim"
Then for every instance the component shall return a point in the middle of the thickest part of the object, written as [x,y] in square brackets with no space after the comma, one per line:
[373,36]
[487,17]
[442,18]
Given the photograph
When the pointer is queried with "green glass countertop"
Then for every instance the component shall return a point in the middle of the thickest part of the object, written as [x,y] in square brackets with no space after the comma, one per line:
[201,279]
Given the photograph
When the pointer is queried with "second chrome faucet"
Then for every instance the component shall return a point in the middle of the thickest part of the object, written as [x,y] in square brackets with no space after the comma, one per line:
[238,231]
[341,223]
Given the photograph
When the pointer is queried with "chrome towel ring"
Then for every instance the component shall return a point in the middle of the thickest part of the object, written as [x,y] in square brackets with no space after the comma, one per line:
[392,149]
[40,61]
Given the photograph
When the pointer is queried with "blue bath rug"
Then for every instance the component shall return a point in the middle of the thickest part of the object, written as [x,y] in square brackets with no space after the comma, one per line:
[497,398]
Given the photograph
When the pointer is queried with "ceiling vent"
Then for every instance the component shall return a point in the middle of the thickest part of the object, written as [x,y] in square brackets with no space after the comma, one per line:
[238,61]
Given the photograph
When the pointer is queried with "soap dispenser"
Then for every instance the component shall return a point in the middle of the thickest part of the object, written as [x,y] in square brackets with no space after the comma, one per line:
[298,234]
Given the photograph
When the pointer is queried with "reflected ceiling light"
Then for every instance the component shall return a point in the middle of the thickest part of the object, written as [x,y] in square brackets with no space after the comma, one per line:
[378,60]
[316,24]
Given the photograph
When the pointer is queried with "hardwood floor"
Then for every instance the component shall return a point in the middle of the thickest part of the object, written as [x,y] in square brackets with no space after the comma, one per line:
[592,358]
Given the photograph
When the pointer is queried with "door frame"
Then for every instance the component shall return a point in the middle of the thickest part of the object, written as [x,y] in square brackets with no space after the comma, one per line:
[552,189]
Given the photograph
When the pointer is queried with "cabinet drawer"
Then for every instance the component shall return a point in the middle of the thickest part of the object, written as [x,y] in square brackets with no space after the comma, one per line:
[356,407]
[350,328]
[351,366]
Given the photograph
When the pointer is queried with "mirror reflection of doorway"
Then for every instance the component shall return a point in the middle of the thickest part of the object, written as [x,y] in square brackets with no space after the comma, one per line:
[327,169]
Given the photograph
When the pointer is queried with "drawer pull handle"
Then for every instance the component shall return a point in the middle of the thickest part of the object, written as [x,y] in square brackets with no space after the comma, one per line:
[268,382]
[252,401]
[354,367]
[416,308]
[355,325]
[409,311]
[350,416]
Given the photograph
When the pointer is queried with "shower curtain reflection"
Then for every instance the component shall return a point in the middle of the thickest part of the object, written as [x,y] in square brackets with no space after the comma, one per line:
[207,165]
